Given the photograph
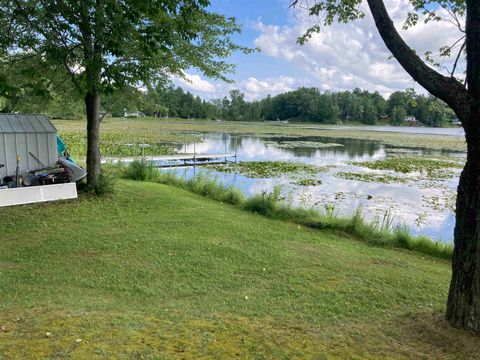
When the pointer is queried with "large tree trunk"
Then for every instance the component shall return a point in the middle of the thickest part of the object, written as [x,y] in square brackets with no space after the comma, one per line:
[92,105]
[463,308]
[92,36]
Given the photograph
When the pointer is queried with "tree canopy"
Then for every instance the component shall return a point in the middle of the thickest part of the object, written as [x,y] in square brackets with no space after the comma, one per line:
[135,41]
[107,45]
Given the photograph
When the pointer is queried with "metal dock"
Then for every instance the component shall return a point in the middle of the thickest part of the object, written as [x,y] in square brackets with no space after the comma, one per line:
[166,161]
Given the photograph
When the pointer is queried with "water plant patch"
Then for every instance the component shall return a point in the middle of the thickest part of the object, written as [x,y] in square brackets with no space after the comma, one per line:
[371,177]
[439,168]
[267,169]
[309,182]
[301,144]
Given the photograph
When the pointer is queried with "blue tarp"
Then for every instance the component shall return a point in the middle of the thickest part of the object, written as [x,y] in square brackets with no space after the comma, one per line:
[62,150]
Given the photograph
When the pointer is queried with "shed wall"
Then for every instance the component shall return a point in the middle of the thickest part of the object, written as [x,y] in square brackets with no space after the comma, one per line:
[43,146]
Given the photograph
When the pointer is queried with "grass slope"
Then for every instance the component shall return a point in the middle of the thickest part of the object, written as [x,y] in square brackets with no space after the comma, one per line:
[157,272]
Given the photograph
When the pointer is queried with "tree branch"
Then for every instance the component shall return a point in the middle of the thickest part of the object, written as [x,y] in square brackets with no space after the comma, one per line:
[109,108]
[457,58]
[446,88]
[473,47]
[456,22]
[11,61]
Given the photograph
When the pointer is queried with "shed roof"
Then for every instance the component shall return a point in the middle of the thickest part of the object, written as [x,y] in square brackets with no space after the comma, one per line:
[20,123]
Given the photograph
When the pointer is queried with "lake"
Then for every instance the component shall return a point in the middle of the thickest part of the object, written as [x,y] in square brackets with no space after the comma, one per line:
[424,204]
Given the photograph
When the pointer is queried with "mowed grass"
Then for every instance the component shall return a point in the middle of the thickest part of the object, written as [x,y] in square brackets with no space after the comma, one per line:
[157,272]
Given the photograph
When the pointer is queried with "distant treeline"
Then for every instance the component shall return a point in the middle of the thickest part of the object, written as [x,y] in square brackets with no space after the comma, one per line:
[304,104]
[309,104]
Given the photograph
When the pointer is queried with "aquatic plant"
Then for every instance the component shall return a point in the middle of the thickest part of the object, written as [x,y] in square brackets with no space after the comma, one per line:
[371,177]
[421,219]
[267,169]
[160,130]
[301,144]
[117,144]
[432,167]
[309,182]
[331,212]
[386,222]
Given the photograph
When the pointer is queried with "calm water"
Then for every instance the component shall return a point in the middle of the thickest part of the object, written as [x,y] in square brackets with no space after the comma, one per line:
[423,205]
[455,131]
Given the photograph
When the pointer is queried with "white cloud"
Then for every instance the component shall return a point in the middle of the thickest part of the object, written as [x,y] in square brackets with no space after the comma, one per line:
[255,88]
[345,56]
[195,82]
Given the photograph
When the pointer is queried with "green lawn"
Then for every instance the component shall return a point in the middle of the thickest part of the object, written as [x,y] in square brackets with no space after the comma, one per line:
[156,272]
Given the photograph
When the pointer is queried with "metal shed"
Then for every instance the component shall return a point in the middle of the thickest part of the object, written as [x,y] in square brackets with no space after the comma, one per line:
[32,137]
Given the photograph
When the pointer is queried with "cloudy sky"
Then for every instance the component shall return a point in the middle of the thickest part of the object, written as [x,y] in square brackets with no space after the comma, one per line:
[341,57]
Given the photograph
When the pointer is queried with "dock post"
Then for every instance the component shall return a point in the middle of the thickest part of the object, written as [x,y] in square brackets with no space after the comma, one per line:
[236,147]
[194,153]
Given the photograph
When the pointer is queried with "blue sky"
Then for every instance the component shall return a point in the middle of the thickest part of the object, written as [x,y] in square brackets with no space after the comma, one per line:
[341,57]
[248,13]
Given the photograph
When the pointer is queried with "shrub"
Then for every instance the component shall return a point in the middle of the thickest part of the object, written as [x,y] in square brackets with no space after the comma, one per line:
[141,170]
[105,183]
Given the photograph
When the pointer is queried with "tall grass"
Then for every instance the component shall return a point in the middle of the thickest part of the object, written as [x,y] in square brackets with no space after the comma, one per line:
[201,184]
[141,170]
[379,232]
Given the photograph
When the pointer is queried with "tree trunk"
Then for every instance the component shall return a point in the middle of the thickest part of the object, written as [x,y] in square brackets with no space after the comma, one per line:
[463,308]
[92,105]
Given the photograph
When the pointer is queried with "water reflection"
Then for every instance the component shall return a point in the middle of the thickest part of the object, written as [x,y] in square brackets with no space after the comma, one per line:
[249,148]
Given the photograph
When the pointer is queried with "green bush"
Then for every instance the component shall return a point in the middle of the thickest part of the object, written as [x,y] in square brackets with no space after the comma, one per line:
[105,183]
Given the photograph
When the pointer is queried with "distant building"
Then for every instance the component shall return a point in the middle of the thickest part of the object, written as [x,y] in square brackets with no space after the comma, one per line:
[456,122]
[131,114]
[410,120]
